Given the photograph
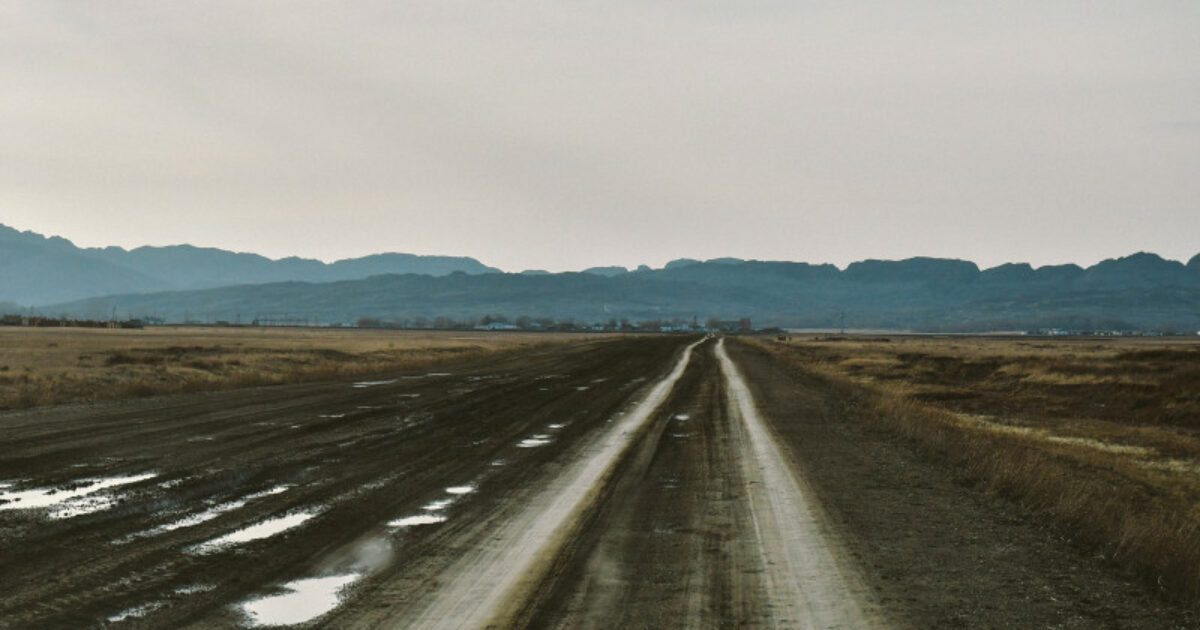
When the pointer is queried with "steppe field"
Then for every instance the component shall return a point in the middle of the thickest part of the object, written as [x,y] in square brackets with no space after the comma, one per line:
[227,478]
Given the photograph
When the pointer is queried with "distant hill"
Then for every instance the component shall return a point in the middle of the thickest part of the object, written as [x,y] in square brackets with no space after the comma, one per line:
[1135,292]
[36,270]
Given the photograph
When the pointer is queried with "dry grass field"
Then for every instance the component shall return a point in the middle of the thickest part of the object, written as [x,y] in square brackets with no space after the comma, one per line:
[1099,437]
[41,366]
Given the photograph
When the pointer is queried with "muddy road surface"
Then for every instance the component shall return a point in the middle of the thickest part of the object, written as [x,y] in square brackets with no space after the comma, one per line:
[559,487]
[637,483]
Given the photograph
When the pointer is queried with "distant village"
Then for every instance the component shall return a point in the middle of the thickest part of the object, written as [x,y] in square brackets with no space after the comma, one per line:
[502,323]
[1066,332]
[487,323]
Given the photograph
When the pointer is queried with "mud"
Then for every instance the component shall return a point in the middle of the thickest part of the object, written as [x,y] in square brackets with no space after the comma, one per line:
[702,504]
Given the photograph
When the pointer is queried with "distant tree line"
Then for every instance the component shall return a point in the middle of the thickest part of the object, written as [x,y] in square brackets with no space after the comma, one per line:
[531,323]
[35,321]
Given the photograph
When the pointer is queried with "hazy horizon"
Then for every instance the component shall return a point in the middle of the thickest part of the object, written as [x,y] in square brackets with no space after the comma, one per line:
[596,134]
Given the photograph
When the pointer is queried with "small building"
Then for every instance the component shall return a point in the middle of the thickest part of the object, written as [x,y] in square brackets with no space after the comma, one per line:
[496,326]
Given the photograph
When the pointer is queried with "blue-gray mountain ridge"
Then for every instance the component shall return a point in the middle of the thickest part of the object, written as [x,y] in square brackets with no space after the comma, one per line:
[36,270]
[1136,292]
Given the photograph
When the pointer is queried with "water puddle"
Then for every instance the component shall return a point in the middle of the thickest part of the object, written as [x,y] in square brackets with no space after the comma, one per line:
[258,531]
[433,509]
[135,612]
[440,374]
[555,427]
[303,601]
[582,388]
[533,442]
[438,505]
[366,384]
[332,415]
[194,589]
[419,519]
[682,417]
[369,407]
[201,438]
[207,515]
[68,503]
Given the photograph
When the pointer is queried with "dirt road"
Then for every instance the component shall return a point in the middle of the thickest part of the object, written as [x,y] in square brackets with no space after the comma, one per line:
[618,483]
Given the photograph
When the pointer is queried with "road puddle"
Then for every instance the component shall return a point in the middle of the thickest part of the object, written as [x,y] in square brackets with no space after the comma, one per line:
[194,589]
[207,515]
[83,499]
[434,508]
[438,505]
[532,442]
[555,427]
[440,374]
[304,601]
[366,384]
[135,612]
[258,531]
[582,388]
[418,519]
[332,415]
[682,417]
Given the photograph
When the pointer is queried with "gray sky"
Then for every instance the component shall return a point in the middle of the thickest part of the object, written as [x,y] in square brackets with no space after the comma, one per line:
[561,135]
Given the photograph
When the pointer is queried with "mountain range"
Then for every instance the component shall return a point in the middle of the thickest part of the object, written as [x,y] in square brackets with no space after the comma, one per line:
[36,270]
[1140,291]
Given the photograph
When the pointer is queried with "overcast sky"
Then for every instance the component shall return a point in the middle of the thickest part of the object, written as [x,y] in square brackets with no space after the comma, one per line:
[562,135]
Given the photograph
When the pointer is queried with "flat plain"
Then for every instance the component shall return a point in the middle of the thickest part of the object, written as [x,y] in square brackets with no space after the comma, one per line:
[561,481]
[41,366]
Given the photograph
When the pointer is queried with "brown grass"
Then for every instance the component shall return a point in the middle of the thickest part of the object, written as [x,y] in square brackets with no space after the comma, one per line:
[1102,438]
[40,366]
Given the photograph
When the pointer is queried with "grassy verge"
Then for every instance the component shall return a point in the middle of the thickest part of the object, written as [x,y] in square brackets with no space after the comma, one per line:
[51,366]
[1037,426]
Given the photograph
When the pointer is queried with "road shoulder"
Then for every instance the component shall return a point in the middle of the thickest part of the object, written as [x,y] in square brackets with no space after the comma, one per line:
[936,552]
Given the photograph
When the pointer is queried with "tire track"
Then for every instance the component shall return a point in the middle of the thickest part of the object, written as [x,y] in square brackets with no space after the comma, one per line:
[808,586]
[488,585]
